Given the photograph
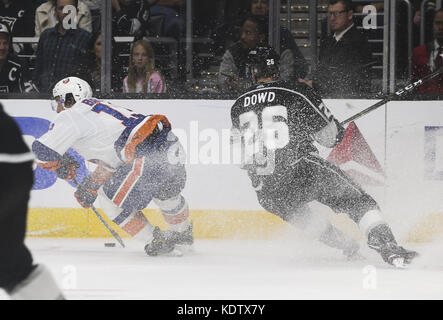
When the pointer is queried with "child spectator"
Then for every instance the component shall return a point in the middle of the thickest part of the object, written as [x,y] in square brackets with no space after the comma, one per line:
[142,77]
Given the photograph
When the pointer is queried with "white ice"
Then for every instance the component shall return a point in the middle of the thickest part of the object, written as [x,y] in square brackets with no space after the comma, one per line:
[285,268]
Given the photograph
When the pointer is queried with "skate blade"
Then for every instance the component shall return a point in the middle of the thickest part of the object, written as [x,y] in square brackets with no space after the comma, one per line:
[174,253]
[185,248]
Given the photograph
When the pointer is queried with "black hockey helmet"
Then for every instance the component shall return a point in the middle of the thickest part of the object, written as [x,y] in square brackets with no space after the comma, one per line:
[263,62]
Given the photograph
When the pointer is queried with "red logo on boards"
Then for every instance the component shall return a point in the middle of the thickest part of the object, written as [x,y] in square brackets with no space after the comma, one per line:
[354,156]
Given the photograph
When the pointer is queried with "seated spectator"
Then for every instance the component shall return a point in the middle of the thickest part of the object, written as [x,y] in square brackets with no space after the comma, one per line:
[19,16]
[429,57]
[94,6]
[13,71]
[174,24]
[59,50]
[261,8]
[131,17]
[233,73]
[344,57]
[45,17]
[142,76]
[90,71]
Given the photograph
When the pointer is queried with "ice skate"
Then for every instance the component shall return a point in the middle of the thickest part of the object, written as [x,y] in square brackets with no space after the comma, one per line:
[161,244]
[184,240]
[382,240]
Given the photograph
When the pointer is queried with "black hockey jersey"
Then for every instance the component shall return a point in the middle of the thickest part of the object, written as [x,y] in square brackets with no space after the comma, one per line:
[11,77]
[279,121]
[19,15]
[13,148]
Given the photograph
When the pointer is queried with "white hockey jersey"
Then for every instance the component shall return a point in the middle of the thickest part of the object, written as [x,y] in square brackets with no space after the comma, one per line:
[95,129]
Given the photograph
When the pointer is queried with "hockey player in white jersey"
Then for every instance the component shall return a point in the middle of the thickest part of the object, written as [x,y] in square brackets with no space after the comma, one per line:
[135,163]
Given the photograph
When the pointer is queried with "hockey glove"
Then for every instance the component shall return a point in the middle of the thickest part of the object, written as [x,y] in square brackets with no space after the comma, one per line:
[68,167]
[87,192]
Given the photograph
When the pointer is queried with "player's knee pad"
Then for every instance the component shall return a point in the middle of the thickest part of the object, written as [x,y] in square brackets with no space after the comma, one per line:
[175,210]
[108,206]
[361,206]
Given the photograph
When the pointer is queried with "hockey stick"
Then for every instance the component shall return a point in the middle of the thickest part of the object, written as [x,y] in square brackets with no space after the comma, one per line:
[114,234]
[391,96]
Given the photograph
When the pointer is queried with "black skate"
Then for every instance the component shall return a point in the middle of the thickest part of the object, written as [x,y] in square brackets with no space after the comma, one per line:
[382,240]
[185,237]
[161,243]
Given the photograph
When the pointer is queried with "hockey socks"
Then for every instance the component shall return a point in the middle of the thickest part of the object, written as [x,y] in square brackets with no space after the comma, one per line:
[175,212]
[135,224]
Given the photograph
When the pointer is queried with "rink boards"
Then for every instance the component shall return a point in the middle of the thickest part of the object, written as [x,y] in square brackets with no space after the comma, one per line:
[404,138]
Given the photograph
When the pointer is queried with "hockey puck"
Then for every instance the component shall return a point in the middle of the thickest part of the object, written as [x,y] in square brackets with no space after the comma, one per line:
[109,244]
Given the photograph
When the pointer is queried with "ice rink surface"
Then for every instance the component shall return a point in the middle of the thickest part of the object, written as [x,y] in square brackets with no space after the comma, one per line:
[285,269]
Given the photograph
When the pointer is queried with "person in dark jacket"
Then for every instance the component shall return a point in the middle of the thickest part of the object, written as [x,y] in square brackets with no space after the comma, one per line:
[429,57]
[345,56]
[19,276]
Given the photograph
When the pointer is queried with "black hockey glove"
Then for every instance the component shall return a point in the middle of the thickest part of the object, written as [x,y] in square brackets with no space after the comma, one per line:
[68,167]
[87,192]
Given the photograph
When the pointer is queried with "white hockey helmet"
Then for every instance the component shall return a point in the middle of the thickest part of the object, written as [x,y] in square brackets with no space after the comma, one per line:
[71,87]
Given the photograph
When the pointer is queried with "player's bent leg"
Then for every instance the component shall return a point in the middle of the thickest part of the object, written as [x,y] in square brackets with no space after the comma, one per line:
[16,261]
[317,226]
[343,195]
[175,211]
[132,221]
[38,285]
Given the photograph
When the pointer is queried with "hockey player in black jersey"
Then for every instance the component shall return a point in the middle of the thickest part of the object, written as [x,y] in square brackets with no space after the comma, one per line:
[19,276]
[277,123]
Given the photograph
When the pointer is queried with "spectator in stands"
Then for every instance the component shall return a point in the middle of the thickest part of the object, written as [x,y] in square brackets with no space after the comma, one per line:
[261,8]
[233,73]
[94,6]
[429,11]
[174,23]
[13,70]
[90,71]
[429,57]
[344,57]
[60,49]
[45,17]
[131,17]
[142,76]
[19,16]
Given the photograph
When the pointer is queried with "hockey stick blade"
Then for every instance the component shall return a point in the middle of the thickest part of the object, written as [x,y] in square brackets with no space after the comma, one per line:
[390,97]
[114,234]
